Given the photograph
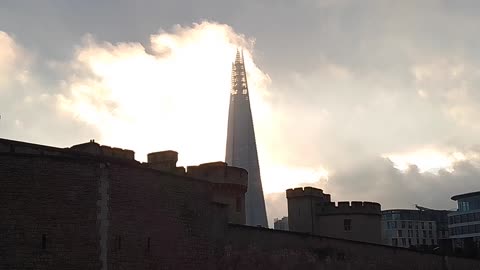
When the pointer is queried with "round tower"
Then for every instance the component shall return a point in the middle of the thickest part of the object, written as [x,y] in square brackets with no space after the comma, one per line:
[229,186]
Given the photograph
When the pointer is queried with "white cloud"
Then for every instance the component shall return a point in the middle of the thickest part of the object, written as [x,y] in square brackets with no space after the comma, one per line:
[172,95]
[14,63]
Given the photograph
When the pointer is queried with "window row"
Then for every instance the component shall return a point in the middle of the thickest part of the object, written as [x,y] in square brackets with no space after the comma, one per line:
[465,229]
[464,218]
[411,233]
[410,224]
[402,242]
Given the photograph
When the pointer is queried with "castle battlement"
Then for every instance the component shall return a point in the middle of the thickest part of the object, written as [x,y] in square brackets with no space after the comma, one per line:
[94,148]
[346,207]
[219,173]
[307,191]
[89,148]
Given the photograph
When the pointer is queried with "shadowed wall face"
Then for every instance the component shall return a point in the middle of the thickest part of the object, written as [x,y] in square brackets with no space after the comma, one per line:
[241,150]
[312,211]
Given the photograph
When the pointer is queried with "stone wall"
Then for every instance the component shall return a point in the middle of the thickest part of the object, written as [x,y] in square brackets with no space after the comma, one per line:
[312,211]
[48,213]
[160,220]
[257,248]
[60,210]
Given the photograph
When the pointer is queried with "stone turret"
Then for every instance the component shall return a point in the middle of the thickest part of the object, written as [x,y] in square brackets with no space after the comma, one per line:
[310,210]
[229,186]
[163,160]
[302,206]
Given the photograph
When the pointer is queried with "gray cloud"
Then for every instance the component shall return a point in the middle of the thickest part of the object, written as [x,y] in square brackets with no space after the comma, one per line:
[351,81]
[378,180]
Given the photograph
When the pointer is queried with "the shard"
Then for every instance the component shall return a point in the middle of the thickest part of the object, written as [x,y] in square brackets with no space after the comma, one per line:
[241,148]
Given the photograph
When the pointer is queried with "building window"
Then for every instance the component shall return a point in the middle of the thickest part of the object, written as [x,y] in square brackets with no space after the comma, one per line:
[457,219]
[464,206]
[399,233]
[404,242]
[471,217]
[347,224]
[238,204]
[423,225]
[44,241]
[403,224]
[119,242]
[433,242]
[430,225]
[395,242]
[424,241]
[409,242]
[410,225]
[416,233]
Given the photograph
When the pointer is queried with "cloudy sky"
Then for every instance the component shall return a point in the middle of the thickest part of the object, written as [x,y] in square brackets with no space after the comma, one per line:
[369,100]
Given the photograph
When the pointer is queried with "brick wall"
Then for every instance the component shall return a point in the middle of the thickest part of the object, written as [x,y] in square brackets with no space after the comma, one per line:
[256,248]
[47,213]
[66,212]
[173,213]
[60,212]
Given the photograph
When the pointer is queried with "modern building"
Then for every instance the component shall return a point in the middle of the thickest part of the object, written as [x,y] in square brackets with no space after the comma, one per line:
[241,150]
[312,211]
[281,224]
[464,224]
[420,228]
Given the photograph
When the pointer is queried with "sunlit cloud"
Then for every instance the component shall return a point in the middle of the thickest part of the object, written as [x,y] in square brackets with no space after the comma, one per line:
[426,159]
[285,177]
[14,62]
[171,95]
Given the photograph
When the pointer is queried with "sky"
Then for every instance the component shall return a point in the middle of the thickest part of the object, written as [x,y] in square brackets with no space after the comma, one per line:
[368,100]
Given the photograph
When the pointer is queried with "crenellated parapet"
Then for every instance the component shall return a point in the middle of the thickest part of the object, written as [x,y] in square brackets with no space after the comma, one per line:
[348,208]
[96,149]
[312,211]
[88,149]
[308,192]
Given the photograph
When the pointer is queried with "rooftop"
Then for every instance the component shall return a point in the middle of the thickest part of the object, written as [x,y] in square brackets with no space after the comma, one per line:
[465,195]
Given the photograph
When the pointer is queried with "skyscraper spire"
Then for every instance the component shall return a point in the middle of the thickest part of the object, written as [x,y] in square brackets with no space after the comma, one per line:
[241,146]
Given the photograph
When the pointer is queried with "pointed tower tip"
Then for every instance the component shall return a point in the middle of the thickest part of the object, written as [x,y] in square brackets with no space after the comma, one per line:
[239,57]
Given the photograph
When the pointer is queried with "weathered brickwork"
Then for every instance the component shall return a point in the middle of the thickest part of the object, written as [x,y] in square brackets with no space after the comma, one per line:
[67,210]
[47,213]
[166,224]
[258,248]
